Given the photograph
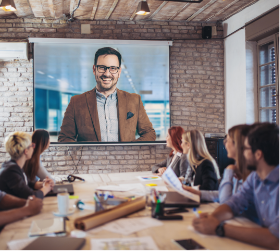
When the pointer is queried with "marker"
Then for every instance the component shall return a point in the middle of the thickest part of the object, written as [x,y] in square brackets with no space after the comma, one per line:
[109,196]
[196,213]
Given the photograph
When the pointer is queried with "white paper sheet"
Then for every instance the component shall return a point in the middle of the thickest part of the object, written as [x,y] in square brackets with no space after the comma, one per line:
[136,188]
[20,244]
[114,188]
[171,178]
[128,226]
[139,243]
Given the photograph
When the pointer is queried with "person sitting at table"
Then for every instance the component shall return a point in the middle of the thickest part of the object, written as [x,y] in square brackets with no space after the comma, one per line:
[33,167]
[12,178]
[202,163]
[233,174]
[176,159]
[261,151]
[13,208]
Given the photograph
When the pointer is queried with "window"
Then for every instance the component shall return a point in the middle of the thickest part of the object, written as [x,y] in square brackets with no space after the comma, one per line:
[268,98]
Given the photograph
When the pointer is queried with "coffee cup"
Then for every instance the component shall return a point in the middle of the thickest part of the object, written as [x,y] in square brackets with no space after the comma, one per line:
[63,200]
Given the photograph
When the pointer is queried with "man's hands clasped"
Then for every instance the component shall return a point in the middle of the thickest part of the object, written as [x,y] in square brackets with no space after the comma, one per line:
[205,224]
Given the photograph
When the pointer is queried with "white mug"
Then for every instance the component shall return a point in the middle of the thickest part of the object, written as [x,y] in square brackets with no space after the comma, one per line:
[63,200]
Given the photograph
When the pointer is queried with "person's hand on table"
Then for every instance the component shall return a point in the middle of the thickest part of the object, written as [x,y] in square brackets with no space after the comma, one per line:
[161,170]
[190,189]
[49,181]
[33,205]
[205,224]
[47,186]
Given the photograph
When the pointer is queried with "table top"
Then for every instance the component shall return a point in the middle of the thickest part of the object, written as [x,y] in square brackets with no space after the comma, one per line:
[162,235]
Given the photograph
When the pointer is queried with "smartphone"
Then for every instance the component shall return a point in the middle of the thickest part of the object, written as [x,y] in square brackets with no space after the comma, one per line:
[177,210]
[188,244]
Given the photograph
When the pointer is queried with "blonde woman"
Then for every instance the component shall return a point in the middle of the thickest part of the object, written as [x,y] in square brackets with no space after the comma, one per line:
[205,168]
[235,174]
[12,178]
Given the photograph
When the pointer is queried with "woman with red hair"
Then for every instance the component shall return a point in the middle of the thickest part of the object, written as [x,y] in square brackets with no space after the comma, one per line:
[176,158]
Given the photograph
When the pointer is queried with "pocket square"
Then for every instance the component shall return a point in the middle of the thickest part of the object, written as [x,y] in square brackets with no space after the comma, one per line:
[129,115]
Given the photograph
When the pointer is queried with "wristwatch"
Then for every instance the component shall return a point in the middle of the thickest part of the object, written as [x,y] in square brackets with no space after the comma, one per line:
[220,231]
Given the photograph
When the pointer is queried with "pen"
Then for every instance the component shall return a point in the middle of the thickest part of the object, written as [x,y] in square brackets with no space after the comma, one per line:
[96,197]
[195,213]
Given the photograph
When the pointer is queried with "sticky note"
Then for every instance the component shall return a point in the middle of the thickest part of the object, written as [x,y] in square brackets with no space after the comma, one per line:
[151,185]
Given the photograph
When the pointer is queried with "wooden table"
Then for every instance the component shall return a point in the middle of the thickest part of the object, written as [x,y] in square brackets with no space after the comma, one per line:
[162,235]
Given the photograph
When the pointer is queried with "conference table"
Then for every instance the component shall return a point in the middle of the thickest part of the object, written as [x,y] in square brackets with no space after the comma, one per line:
[162,235]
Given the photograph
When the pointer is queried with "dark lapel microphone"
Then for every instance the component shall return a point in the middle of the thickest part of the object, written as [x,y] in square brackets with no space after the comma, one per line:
[72,178]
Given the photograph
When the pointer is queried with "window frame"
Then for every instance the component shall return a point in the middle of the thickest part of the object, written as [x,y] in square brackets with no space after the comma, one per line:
[273,38]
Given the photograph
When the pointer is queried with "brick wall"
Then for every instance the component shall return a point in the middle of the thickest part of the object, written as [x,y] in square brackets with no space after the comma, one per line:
[196,88]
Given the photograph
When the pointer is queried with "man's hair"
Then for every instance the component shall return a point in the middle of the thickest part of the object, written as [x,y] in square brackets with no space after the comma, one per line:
[107,51]
[265,137]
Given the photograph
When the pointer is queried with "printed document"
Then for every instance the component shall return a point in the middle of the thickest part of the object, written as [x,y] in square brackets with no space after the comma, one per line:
[171,178]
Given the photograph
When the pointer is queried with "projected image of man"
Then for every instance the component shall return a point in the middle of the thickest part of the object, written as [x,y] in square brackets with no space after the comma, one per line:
[106,113]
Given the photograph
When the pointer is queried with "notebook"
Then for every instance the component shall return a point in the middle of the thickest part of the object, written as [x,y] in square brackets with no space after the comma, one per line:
[56,243]
[69,187]
[174,199]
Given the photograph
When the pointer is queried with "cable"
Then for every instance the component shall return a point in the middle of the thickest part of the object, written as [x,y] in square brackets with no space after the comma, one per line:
[71,19]
[76,165]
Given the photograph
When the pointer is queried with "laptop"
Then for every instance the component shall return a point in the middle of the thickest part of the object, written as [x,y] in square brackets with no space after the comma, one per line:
[174,199]
[56,243]
[69,187]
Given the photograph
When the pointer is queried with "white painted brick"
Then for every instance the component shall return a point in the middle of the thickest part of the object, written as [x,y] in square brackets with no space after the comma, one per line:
[196,72]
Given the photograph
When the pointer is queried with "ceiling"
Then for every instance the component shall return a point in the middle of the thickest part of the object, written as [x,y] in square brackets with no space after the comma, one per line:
[206,11]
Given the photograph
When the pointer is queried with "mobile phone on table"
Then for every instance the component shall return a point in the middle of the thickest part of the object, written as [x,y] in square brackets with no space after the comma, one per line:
[176,210]
[188,244]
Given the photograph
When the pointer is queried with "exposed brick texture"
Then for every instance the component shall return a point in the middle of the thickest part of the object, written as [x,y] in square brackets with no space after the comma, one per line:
[196,88]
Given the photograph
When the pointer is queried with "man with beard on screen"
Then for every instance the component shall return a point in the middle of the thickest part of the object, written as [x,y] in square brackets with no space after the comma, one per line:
[261,190]
[106,113]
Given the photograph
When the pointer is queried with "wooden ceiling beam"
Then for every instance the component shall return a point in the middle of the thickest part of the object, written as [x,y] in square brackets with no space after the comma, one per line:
[112,9]
[58,8]
[133,15]
[94,9]
[158,10]
[37,8]
[221,10]
[201,10]
[178,12]
[240,9]
[23,8]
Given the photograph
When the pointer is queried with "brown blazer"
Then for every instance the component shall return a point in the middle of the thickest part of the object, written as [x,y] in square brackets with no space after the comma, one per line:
[81,123]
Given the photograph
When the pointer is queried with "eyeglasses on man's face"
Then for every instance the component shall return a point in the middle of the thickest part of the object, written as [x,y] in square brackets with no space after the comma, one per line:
[103,69]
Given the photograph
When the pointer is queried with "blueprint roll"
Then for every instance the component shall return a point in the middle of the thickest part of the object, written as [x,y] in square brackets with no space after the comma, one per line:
[96,219]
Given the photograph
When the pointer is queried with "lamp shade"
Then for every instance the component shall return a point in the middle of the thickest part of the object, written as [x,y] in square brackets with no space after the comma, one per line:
[143,8]
[8,5]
